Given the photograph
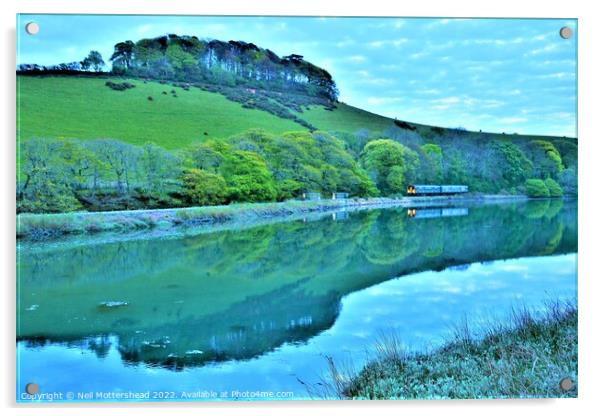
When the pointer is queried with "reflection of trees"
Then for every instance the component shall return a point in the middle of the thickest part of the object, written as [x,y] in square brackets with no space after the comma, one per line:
[388,241]
[538,208]
[237,294]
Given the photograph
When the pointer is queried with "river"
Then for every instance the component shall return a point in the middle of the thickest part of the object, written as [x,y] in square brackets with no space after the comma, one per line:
[255,312]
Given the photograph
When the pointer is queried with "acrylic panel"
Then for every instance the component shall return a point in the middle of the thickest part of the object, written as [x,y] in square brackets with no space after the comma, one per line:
[222,208]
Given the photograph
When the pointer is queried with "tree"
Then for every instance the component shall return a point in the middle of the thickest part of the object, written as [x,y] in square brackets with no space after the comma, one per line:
[122,56]
[514,165]
[553,188]
[121,159]
[379,157]
[536,188]
[93,60]
[44,184]
[248,177]
[546,159]
[568,181]
[433,163]
[204,188]
[158,167]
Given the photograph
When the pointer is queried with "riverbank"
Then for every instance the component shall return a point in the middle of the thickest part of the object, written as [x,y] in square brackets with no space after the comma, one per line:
[48,226]
[526,358]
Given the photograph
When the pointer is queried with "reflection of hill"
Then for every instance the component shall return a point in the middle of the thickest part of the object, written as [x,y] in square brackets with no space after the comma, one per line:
[235,295]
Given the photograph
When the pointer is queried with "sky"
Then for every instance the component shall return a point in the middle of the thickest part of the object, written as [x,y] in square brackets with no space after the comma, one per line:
[496,75]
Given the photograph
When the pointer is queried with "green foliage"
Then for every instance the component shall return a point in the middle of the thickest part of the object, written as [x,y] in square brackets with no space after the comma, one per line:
[432,169]
[389,164]
[307,162]
[514,165]
[546,159]
[186,58]
[204,188]
[93,60]
[568,181]
[553,188]
[536,188]
[248,177]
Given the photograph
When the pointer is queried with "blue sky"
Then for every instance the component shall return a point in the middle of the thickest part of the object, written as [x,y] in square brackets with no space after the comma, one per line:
[482,74]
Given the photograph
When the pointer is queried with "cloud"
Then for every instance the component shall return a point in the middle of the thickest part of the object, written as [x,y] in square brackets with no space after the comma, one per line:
[557,75]
[548,48]
[513,120]
[418,55]
[446,100]
[383,100]
[344,43]
[356,58]
[376,44]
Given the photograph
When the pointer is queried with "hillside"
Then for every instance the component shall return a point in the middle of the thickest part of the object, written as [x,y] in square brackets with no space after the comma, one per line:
[84,108]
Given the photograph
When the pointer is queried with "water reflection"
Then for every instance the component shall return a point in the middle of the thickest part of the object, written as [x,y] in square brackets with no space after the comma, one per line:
[234,296]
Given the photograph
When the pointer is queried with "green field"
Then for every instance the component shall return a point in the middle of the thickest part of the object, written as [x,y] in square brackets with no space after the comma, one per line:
[85,108]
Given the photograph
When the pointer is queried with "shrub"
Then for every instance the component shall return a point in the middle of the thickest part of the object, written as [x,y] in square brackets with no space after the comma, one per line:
[204,188]
[536,188]
[119,86]
[554,188]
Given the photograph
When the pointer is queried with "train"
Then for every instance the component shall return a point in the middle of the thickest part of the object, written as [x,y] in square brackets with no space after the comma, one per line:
[427,190]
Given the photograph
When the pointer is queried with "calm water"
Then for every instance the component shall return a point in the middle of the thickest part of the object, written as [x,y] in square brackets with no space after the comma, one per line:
[233,314]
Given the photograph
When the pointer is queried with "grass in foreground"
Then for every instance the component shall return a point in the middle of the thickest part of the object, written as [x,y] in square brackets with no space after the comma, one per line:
[526,358]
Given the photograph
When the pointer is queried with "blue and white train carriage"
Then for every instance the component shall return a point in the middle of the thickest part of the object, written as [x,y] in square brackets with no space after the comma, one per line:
[427,190]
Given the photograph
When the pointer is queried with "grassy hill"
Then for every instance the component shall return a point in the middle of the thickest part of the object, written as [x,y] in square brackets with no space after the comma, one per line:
[84,108]
[80,107]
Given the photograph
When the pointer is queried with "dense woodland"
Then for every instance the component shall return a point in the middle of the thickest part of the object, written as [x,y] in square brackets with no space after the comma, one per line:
[256,166]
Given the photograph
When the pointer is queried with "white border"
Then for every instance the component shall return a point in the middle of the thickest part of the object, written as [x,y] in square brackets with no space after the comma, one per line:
[590,158]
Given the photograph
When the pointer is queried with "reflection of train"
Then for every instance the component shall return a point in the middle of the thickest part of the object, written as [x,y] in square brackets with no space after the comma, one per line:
[437,212]
[418,190]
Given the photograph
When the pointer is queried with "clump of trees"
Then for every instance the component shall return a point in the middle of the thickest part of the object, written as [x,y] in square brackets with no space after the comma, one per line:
[486,163]
[93,63]
[233,63]
[106,174]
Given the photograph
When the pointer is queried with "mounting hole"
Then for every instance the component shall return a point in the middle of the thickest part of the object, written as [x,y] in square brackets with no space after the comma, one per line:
[566,384]
[566,32]
[32,28]
[32,388]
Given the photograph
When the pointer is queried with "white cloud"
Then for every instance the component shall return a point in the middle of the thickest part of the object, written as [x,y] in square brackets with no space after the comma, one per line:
[513,120]
[548,48]
[144,29]
[431,91]
[383,100]
[344,43]
[376,43]
[356,58]
[446,100]
[418,55]
[557,75]
[384,42]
